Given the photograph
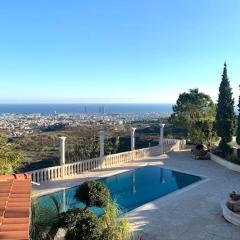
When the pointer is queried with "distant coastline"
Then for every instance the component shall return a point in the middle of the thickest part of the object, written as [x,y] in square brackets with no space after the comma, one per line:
[18,108]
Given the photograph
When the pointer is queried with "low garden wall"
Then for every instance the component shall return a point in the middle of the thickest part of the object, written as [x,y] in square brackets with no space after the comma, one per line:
[225,163]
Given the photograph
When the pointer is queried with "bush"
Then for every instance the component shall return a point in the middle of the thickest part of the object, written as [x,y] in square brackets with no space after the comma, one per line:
[115,228]
[225,148]
[238,153]
[85,227]
[93,193]
[80,224]
[10,158]
[118,231]
[233,158]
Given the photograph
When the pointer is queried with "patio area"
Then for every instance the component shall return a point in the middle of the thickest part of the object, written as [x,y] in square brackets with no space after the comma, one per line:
[191,213]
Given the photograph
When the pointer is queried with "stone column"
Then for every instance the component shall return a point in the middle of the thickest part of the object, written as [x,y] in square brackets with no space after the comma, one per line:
[101,143]
[161,137]
[133,138]
[161,134]
[62,150]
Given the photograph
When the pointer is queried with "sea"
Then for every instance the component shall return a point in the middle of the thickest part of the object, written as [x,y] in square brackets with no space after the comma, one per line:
[84,108]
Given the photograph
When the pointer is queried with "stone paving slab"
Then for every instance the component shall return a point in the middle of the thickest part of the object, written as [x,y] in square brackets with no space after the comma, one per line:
[192,213]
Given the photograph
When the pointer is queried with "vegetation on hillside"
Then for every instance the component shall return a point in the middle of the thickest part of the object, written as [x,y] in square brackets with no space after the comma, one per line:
[42,149]
[10,158]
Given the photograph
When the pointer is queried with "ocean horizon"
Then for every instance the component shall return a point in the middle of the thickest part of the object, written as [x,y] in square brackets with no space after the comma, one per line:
[45,108]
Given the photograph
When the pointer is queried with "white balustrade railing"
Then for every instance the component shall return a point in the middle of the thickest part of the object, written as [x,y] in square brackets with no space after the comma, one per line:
[71,169]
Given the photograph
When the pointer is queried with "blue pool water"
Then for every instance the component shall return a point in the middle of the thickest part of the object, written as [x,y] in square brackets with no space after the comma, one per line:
[129,190]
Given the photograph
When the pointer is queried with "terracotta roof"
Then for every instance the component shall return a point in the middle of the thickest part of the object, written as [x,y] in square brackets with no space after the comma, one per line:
[15,203]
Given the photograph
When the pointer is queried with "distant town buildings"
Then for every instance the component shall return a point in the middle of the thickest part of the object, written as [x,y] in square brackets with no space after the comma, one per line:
[26,124]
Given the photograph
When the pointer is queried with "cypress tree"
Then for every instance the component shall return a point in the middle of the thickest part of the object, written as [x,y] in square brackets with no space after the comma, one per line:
[238,122]
[225,118]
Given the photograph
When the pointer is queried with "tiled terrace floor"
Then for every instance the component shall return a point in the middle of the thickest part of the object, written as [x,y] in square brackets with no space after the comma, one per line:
[190,213]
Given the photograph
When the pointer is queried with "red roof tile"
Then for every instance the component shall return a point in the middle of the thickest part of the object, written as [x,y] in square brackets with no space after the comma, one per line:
[15,203]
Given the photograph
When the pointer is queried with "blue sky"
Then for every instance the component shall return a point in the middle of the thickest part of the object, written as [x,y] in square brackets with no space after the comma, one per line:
[116,50]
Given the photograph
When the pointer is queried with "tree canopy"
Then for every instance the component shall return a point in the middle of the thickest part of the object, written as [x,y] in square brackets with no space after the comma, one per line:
[238,123]
[225,118]
[9,159]
[196,112]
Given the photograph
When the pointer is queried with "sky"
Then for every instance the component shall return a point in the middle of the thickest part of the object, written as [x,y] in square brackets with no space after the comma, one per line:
[116,51]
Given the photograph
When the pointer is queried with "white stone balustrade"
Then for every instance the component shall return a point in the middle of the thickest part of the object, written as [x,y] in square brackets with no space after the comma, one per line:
[71,169]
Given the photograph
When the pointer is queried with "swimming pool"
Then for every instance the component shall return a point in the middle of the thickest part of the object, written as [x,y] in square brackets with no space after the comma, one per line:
[129,189]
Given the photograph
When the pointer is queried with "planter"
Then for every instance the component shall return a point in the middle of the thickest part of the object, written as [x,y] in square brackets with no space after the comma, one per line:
[234,205]
[230,216]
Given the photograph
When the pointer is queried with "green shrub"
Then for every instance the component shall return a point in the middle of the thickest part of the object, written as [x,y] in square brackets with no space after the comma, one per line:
[80,224]
[10,158]
[93,193]
[233,158]
[86,226]
[120,230]
[115,228]
[225,148]
[238,153]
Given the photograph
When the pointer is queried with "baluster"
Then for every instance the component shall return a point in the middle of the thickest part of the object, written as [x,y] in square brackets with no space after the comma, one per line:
[53,174]
[59,172]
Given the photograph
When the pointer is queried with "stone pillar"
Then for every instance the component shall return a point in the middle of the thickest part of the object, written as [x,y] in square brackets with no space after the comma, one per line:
[161,134]
[62,150]
[133,138]
[101,143]
[161,137]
